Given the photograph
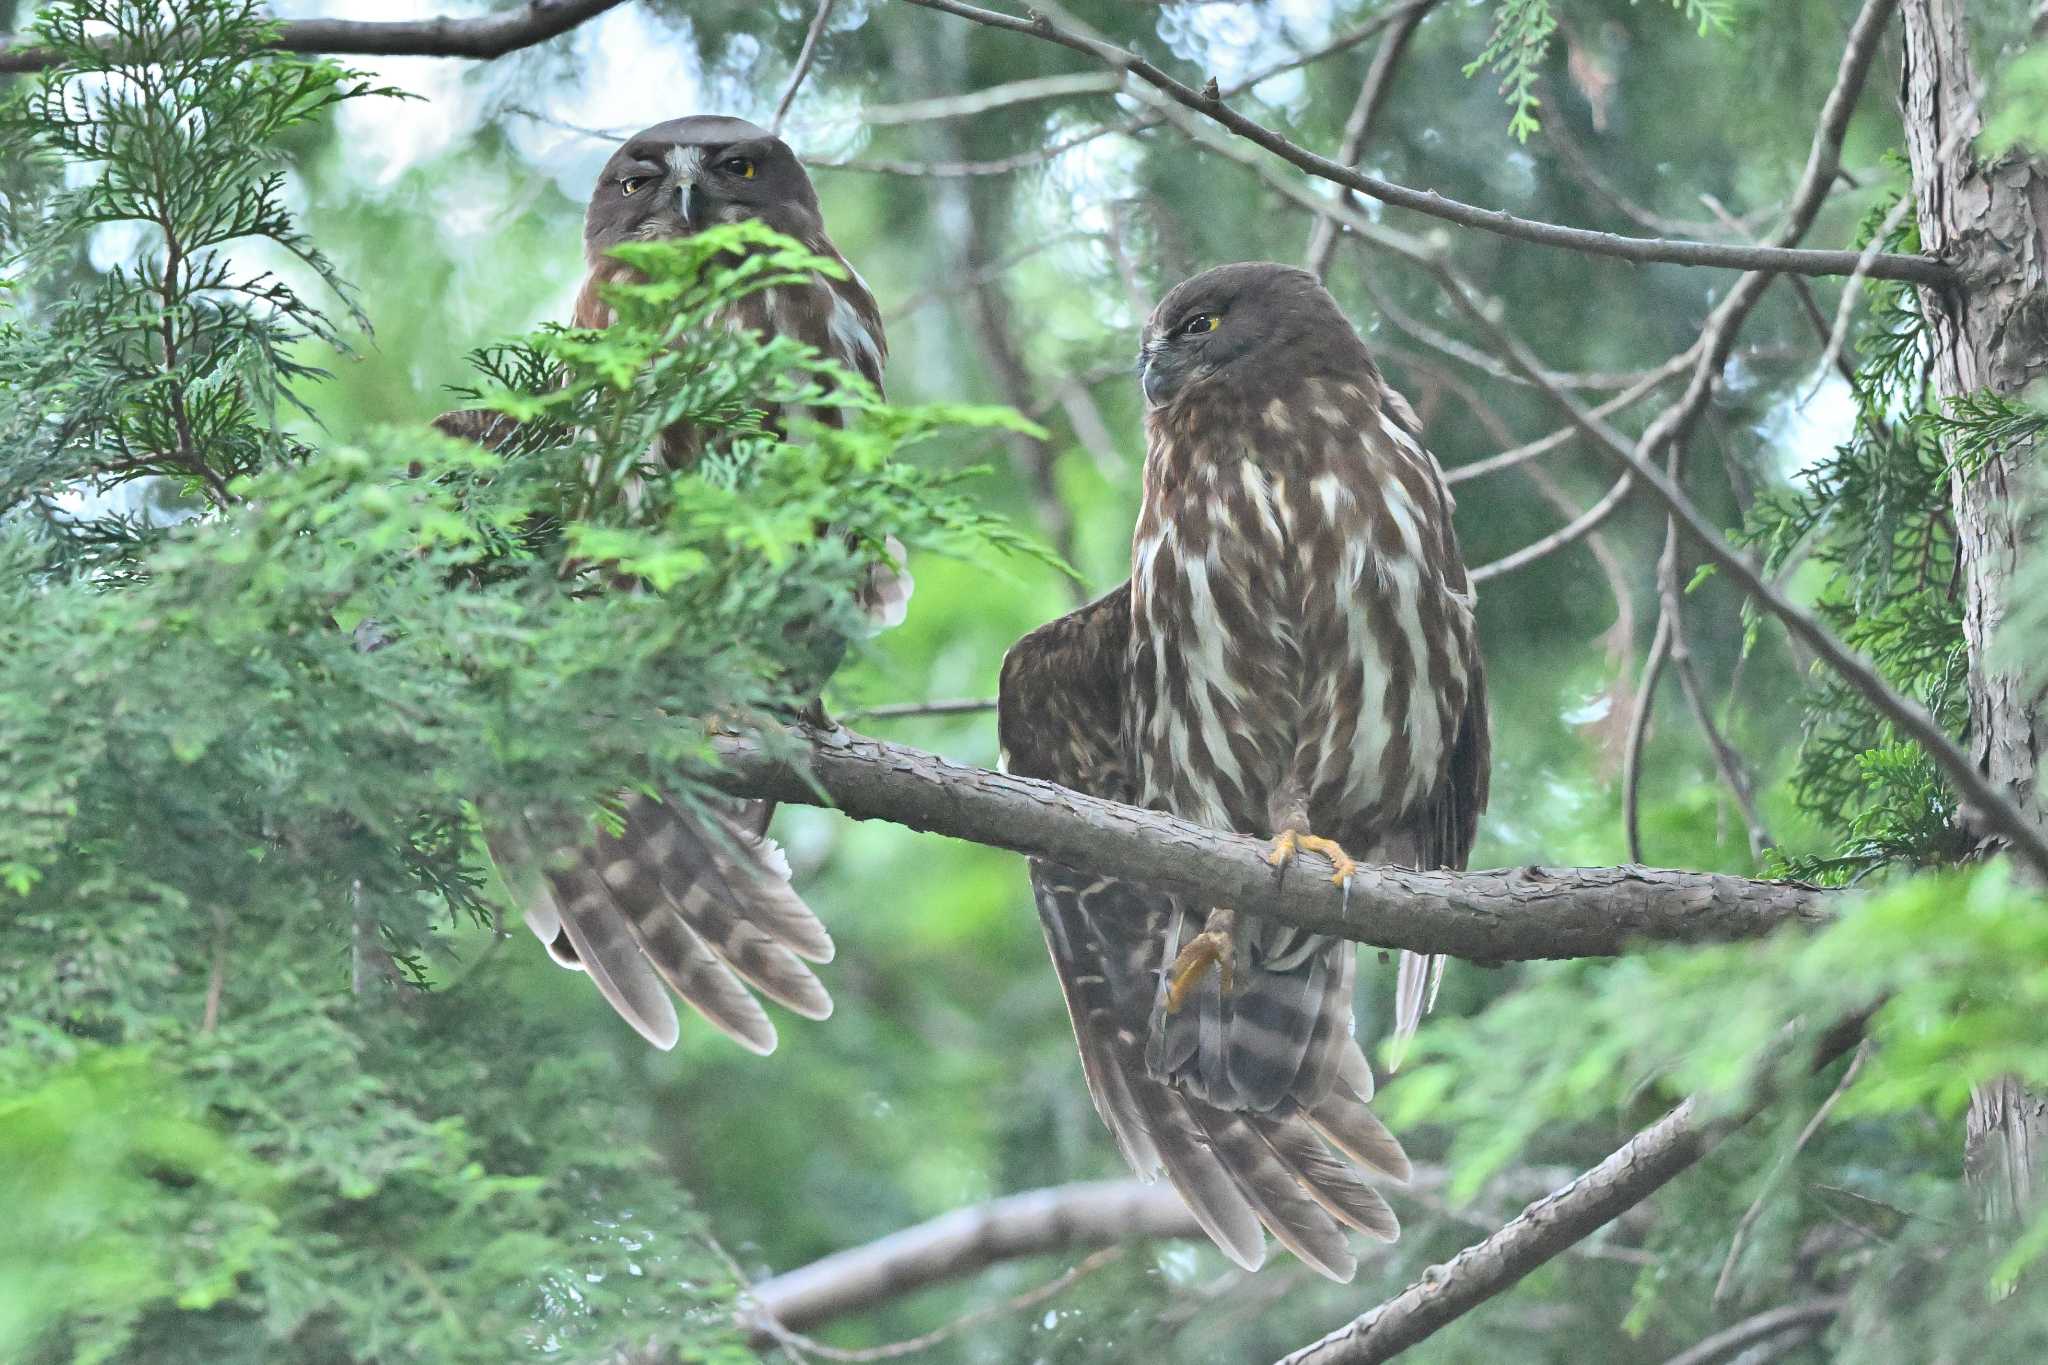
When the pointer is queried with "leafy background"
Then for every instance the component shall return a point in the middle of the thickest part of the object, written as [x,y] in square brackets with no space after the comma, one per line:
[496,1167]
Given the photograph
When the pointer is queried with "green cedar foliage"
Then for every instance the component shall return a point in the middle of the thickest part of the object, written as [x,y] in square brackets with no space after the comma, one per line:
[260,697]
[1871,524]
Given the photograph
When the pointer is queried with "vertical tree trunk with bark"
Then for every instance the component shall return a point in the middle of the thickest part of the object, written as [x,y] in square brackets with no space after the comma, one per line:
[1990,218]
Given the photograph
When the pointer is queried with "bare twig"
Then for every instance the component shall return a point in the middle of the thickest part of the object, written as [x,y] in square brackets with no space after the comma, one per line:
[1732,1341]
[1917,269]
[1379,79]
[1506,915]
[479,39]
[1508,459]
[1813,1125]
[1028,91]
[1581,526]
[1444,343]
[804,57]
[994,270]
[1052,151]
[1845,309]
[1734,770]
[1670,431]
[1638,731]
[897,710]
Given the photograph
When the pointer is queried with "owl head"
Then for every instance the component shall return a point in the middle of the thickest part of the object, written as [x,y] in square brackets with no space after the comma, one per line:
[684,175]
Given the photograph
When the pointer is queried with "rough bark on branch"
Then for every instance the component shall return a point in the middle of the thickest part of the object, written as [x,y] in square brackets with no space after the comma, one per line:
[479,39]
[1510,914]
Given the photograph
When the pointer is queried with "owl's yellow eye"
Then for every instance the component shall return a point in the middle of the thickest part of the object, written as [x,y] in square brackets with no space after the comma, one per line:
[741,166]
[632,183]
[1200,323]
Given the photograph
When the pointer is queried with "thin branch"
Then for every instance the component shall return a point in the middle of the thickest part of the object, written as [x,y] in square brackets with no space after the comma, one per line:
[804,57]
[1845,309]
[1443,342]
[1379,80]
[1028,91]
[1756,1208]
[1732,1341]
[1581,526]
[994,270]
[480,39]
[1546,1228]
[1637,1170]
[1671,430]
[1638,732]
[896,710]
[1734,770]
[1511,914]
[1061,1218]
[1917,269]
[1343,42]
[1508,459]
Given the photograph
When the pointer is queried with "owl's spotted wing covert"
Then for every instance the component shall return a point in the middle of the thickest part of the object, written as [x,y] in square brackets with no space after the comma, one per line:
[1293,656]
[696,901]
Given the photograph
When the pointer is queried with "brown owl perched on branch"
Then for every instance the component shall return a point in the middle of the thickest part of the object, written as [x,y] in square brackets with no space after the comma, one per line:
[698,903]
[1293,656]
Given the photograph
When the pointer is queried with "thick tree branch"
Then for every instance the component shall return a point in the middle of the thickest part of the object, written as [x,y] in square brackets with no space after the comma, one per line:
[1038,1223]
[1918,269]
[1499,916]
[480,39]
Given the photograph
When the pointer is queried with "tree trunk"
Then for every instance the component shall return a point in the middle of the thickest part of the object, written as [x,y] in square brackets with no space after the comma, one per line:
[1991,220]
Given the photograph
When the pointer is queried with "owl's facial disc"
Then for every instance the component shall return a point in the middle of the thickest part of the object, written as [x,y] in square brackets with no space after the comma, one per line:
[681,177]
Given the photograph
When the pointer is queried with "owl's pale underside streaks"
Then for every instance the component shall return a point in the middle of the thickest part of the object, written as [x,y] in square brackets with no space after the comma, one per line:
[1294,657]
[695,901]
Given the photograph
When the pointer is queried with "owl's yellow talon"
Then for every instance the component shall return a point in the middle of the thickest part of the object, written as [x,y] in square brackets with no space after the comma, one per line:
[1212,948]
[1288,842]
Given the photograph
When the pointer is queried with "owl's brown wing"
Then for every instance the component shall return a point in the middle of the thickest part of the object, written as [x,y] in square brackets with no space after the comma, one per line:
[698,902]
[1442,834]
[1061,717]
[1441,831]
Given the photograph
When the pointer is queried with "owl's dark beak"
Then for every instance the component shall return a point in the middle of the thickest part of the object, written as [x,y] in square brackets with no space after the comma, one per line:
[688,205]
[1155,377]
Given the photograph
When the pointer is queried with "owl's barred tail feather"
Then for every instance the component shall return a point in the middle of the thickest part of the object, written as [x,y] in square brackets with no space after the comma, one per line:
[1415,988]
[1296,1169]
[697,902]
